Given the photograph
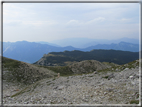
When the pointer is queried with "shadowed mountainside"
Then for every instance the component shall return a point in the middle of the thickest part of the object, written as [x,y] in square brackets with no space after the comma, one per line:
[61,58]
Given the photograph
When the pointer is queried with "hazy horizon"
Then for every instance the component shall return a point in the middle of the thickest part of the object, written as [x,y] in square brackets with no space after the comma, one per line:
[83,42]
[78,38]
[54,21]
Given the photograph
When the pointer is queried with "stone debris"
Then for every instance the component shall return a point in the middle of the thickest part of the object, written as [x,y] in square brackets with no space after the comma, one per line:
[119,88]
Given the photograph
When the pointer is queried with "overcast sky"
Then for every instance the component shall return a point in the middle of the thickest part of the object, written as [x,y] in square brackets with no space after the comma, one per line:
[53,21]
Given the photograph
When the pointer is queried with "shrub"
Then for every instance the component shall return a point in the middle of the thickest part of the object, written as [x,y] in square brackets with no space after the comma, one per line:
[134,102]
[106,77]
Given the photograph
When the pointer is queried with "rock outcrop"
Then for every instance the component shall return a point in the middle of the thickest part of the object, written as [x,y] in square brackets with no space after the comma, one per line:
[87,66]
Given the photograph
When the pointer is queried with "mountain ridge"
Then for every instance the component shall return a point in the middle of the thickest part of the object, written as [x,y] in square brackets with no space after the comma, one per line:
[31,51]
[124,46]
[25,73]
[87,42]
[115,56]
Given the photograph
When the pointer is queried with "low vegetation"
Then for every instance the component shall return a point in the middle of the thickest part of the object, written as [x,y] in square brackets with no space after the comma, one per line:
[63,70]
[16,71]
[115,67]
[60,58]
[134,102]
[26,73]
[21,92]
[10,64]
[29,88]
[82,67]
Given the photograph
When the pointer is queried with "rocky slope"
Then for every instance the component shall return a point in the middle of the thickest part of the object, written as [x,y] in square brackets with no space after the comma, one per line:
[17,71]
[108,86]
[86,66]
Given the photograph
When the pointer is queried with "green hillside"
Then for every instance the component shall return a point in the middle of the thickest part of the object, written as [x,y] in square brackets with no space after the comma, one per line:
[115,56]
[17,71]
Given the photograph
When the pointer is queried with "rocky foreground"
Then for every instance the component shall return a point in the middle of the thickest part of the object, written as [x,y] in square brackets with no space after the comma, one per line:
[119,87]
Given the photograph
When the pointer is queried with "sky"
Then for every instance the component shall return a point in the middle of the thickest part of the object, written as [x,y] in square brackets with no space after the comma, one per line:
[55,21]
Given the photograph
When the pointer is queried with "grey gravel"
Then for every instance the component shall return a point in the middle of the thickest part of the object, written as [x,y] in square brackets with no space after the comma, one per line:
[119,88]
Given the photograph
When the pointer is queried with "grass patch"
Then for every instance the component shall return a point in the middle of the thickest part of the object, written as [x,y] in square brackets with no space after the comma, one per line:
[49,83]
[35,85]
[110,99]
[90,76]
[134,102]
[10,63]
[13,69]
[115,67]
[27,89]
[17,71]
[21,92]
[63,70]
[130,65]
[53,79]
[104,70]
[106,77]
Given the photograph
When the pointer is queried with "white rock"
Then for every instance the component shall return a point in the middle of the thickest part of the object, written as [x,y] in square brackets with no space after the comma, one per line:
[105,93]
[133,82]
[131,77]
[60,87]
[126,68]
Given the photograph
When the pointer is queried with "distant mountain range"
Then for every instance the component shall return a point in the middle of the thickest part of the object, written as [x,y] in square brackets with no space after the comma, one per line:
[124,46]
[52,44]
[32,51]
[29,51]
[87,42]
